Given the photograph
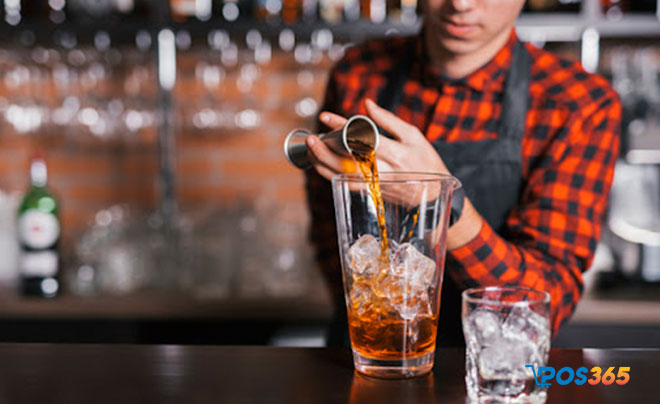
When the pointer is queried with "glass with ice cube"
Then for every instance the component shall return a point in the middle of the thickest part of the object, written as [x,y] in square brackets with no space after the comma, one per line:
[506,329]
[393,259]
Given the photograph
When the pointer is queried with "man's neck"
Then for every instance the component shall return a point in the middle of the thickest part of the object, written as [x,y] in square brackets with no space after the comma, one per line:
[457,66]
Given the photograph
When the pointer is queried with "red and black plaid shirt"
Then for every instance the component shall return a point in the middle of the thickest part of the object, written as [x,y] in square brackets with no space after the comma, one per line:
[569,149]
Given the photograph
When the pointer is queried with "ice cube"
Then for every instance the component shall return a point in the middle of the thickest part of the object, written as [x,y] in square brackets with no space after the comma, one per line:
[412,264]
[362,301]
[523,322]
[358,295]
[506,358]
[529,327]
[415,306]
[485,325]
[408,299]
[504,388]
[394,245]
[385,284]
[400,285]
[363,255]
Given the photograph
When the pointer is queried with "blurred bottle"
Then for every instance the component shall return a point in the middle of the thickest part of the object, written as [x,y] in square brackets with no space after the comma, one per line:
[373,10]
[13,12]
[57,12]
[404,11]
[310,10]
[182,9]
[185,9]
[267,10]
[332,11]
[8,243]
[91,8]
[614,9]
[233,9]
[553,5]
[114,11]
[38,231]
[292,11]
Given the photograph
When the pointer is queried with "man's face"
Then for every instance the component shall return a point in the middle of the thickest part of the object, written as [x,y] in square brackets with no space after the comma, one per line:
[465,26]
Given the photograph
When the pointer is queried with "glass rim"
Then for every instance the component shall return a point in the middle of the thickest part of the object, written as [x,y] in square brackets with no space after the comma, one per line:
[423,177]
[543,297]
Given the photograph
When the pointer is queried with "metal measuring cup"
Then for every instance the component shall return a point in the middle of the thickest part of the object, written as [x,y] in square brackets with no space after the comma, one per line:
[359,135]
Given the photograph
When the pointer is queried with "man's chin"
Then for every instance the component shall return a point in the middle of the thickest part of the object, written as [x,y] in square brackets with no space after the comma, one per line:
[459,46]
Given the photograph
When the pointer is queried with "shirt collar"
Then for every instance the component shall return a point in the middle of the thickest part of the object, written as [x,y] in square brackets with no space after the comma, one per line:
[489,77]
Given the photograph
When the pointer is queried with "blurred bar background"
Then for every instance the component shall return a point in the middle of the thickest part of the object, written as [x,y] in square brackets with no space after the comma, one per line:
[162,125]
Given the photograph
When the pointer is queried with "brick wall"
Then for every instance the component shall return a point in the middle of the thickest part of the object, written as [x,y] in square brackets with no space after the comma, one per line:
[214,165]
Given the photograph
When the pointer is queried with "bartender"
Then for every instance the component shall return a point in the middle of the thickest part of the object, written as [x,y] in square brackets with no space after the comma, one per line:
[532,137]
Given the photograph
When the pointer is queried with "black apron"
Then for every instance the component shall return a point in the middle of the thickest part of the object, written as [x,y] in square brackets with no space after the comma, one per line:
[490,171]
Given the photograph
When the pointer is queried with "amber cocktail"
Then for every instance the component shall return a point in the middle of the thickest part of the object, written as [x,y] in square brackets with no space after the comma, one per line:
[392,229]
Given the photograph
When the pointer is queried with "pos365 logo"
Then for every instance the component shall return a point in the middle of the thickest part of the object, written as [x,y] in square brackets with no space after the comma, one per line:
[544,375]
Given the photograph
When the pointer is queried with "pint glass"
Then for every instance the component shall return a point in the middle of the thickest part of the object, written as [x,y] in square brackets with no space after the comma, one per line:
[392,273]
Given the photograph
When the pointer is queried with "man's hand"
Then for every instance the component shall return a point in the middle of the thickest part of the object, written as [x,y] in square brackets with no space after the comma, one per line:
[408,151]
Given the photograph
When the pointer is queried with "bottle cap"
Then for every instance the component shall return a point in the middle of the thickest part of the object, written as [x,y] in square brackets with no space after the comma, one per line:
[38,171]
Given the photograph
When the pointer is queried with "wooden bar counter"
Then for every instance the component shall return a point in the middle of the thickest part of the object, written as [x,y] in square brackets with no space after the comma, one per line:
[63,373]
[161,318]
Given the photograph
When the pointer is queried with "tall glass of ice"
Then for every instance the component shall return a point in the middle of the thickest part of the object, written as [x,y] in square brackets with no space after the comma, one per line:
[392,232]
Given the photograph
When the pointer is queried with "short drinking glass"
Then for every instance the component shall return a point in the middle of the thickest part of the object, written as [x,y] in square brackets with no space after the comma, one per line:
[507,330]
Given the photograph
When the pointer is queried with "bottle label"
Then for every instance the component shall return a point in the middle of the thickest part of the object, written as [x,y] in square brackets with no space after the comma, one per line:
[38,264]
[38,229]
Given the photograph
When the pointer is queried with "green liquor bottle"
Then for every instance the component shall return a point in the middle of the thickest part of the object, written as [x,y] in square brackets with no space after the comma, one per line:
[38,235]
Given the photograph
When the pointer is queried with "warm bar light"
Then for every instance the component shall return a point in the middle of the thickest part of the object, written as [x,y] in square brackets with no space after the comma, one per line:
[13,12]
[166,59]
[590,49]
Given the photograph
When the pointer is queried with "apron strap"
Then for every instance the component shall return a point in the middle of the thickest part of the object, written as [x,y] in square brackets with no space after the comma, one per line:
[516,94]
[389,97]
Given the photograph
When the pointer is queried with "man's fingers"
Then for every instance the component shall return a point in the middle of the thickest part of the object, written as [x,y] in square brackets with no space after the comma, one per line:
[398,128]
[332,120]
[322,154]
[324,171]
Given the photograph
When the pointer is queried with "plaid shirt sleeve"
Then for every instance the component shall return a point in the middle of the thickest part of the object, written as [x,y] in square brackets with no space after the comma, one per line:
[553,233]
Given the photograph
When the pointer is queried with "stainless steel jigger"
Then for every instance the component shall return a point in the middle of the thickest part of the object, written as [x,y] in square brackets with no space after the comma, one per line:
[358,135]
